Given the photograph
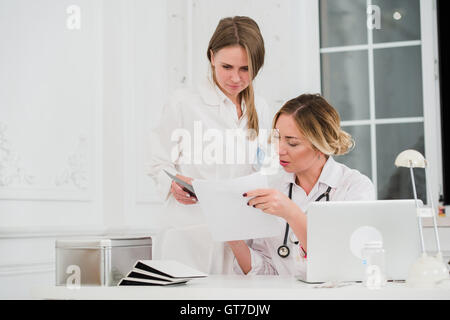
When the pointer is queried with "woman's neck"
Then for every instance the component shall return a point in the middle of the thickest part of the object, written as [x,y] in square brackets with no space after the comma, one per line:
[308,178]
[235,100]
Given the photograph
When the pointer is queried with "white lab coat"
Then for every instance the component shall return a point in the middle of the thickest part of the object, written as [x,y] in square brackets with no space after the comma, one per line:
[200,111]
[346,184]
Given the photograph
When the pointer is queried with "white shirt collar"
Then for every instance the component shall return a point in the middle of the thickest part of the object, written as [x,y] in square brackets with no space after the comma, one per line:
[329,176]
[212,95]
[208,92]
[222,97]
[331,173]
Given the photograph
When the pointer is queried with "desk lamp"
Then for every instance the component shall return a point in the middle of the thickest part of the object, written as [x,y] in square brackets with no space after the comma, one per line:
[426,270]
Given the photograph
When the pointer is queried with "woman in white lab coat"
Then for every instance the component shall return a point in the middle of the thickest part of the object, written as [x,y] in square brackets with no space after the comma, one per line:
[309,134]
[191,142]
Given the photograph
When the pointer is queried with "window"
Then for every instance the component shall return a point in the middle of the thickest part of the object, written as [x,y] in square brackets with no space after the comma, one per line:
[372,72]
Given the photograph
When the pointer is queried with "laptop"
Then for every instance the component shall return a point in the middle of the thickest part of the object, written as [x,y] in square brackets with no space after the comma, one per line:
[338,230]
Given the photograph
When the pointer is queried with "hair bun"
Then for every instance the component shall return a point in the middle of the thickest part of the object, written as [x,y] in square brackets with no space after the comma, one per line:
[344,144]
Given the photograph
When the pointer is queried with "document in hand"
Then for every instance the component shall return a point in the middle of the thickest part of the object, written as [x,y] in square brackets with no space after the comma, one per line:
[226,210]
[159,273]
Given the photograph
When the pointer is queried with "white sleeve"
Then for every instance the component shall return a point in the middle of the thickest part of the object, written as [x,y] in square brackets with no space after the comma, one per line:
[361,188]
[260,261]
[164,151]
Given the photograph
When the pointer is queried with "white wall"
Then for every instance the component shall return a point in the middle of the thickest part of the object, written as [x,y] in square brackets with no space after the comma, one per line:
[49,117]
[76,107]
[50,133]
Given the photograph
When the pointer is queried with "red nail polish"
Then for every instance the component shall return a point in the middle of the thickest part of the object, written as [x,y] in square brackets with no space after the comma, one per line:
[244,195]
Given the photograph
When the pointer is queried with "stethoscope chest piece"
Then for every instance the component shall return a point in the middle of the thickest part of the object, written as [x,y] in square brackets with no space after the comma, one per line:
[283,251]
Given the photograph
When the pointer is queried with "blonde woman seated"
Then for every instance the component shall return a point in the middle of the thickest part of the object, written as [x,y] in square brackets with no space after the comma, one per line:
[309,135]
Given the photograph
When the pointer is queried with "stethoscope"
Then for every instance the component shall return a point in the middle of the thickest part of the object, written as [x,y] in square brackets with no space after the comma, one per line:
[283,250]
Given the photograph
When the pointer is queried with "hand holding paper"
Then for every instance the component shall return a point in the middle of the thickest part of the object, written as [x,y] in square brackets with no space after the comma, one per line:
[272,201]
[226,210]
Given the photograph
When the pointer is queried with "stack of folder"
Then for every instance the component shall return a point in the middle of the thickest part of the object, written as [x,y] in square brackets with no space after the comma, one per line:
[160,273]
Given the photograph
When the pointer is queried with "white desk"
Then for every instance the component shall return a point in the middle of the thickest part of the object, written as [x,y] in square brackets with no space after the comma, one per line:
[234,287]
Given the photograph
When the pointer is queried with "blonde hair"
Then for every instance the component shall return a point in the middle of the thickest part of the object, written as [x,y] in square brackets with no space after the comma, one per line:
[245,32]
[319,122]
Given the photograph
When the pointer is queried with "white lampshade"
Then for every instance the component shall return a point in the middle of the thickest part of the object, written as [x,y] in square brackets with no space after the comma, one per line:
[410,158]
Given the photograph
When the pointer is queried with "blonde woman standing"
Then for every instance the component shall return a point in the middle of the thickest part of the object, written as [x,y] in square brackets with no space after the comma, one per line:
[309,135]
[191,142]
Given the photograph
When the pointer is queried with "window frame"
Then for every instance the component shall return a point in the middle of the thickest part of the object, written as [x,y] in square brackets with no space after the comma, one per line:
[431,118]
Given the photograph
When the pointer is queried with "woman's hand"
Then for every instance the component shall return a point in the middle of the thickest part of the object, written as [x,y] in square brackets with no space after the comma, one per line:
[272,201]
[277,203]
[181,195]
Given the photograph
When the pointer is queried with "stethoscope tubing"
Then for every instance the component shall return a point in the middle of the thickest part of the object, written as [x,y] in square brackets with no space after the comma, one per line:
[283,250]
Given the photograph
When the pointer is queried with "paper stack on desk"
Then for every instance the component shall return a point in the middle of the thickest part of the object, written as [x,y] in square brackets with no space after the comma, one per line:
[159,273]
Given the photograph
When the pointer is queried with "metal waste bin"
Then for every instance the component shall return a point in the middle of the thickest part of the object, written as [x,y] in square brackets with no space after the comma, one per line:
[99,261]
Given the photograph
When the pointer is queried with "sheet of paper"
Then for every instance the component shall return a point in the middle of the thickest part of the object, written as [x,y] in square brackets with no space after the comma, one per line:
[226,210]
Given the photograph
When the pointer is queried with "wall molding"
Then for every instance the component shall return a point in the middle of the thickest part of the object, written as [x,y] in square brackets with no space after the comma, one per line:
[71,184]
[11,172]
[26,268]
[72,231]
[49,231]
[76,172]
[16,184]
